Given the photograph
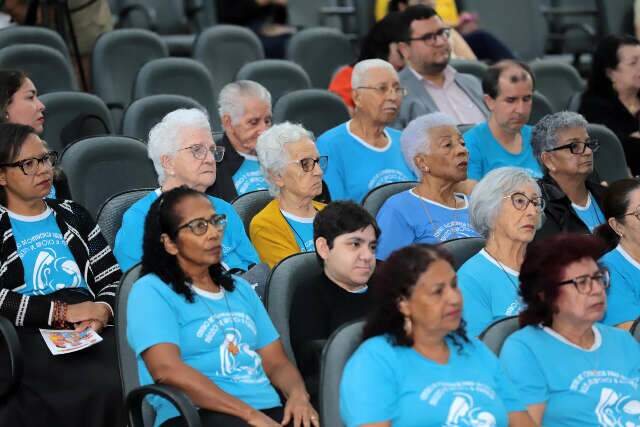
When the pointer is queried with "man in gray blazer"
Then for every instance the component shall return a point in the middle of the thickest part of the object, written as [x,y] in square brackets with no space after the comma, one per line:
[432,84]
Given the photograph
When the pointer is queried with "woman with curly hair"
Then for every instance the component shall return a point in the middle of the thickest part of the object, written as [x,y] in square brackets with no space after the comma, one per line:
[194,326]
[569,369]
[417,367]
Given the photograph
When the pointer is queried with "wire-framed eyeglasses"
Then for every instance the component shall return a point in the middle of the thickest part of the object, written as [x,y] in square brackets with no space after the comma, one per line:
[521,201]
[200,226]
[31,165]
[199,151]
[584,283]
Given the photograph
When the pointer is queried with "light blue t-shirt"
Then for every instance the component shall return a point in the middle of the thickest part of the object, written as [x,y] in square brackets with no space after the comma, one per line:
[487,154]
[356,167]
[489,290]
[623,297]
[52,193]
[595,387]
[383,382]
[590,214]
[302,230]
[218,335]
[237,250]
[48,263]
[249,177]
[407,218]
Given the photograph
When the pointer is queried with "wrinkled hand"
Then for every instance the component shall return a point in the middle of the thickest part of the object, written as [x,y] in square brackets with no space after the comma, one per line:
[88,314]
[300,411]
[258,419]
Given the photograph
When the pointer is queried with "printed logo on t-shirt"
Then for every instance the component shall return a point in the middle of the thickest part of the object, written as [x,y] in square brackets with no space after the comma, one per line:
[250,181]
[514,308]
[463,410]
[237,360]
[386,176]
[614,409]
[454,230]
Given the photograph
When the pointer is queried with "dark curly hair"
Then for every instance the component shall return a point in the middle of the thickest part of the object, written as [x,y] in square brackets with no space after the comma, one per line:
[606,58]
[12,138]
[615,204]
[10,82]
[543,268]
[163,218]
[396,280]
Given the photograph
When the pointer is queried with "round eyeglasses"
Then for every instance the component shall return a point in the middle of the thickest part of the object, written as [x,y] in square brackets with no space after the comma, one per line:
[307,164]
[200,226]
[578,147]
[584,283]
[199,151]
[520,201]
[31,165]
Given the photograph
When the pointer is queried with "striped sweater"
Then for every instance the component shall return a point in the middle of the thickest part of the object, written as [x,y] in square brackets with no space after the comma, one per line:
[89,249]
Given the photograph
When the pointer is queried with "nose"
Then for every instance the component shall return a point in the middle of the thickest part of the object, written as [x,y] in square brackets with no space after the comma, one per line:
[454,296]
[39,105]
[367,253]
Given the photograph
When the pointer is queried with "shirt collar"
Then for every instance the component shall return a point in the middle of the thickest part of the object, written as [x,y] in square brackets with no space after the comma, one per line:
[449,76]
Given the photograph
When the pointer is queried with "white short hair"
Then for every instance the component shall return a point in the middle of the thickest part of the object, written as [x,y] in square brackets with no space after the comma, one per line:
[487,195]
[271,151]
[164,137]
[360,70]
[233,96]
[415,137]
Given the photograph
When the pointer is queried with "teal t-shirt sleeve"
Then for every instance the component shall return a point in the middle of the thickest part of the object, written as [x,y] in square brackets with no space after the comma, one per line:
[474,167]
[623,304]
[524,371]
[476,307]
[395,231]
[368,390]
[267,333]
[332,176]
[128,243]
[150,318]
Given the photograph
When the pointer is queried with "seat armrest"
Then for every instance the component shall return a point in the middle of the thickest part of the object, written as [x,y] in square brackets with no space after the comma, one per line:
[8,331]
[135,399]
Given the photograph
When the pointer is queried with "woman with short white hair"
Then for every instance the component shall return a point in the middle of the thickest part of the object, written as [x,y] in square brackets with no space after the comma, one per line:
[431,212]
[183,153]
[364,152]
[293,168]
[506,208]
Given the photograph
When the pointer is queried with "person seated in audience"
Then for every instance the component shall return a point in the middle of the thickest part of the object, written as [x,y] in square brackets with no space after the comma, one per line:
[345,236]
[432,84]
[364,152]
[565,152]
[504,139]
[183,153]
[57,273]
[380,42]
[612,97]
[210,337]
[417,366]
[621,231]
[506,209]
[569,369]
[431,212]
[290,161]
[245,112]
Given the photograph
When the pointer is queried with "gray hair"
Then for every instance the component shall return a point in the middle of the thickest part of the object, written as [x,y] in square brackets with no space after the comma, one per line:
[164,137]
[486,197]
[271,151]
[415,137]
[232,98]
[545,132]
[360,70]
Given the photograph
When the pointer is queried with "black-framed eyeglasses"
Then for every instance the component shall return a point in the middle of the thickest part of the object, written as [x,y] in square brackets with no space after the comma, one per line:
[307,164]
[382,90]
[430,38]
[521,201]
[199,151]
[584,283]
[199,226]
[578,147]
[31,165]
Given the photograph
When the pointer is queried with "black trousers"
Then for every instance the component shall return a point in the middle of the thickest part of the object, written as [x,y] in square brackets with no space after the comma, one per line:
[216,419]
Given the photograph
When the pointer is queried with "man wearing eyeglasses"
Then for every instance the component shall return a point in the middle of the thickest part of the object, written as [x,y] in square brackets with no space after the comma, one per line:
[432,84]
[504,139]
[245,112]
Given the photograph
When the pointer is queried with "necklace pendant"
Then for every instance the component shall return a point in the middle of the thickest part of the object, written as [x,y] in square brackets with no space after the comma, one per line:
[233,348]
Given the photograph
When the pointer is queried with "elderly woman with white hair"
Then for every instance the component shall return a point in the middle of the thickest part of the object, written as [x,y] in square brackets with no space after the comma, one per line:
[183,153]
[432,212]
[293,167]
[565,152]
[506,208]
[364,152]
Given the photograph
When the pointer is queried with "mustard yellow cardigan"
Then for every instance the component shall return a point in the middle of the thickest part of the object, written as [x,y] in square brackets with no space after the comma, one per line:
[272,236]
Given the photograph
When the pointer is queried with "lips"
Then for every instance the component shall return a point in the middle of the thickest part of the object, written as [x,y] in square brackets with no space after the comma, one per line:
[453,313]
[462,164]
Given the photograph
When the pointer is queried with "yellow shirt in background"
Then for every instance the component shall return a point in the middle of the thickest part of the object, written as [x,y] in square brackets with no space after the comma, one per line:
[446,9]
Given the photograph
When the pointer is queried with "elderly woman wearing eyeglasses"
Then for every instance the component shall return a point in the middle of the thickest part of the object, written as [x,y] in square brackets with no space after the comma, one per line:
[621,207]
[565,153]
[364,152]
[183,153]
[293,168]
[569,369]
[505,208]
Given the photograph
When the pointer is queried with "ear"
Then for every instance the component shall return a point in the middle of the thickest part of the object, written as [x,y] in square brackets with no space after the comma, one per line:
[421,161]
[404,49]
[169,245]
[491,103]
[167,164]
[226,122]
[403,307]
[276,178]
[322,248]
[547,160]
[616,226]
[3,177]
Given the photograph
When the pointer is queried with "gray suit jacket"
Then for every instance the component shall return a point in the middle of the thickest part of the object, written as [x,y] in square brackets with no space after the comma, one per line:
[418,101]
